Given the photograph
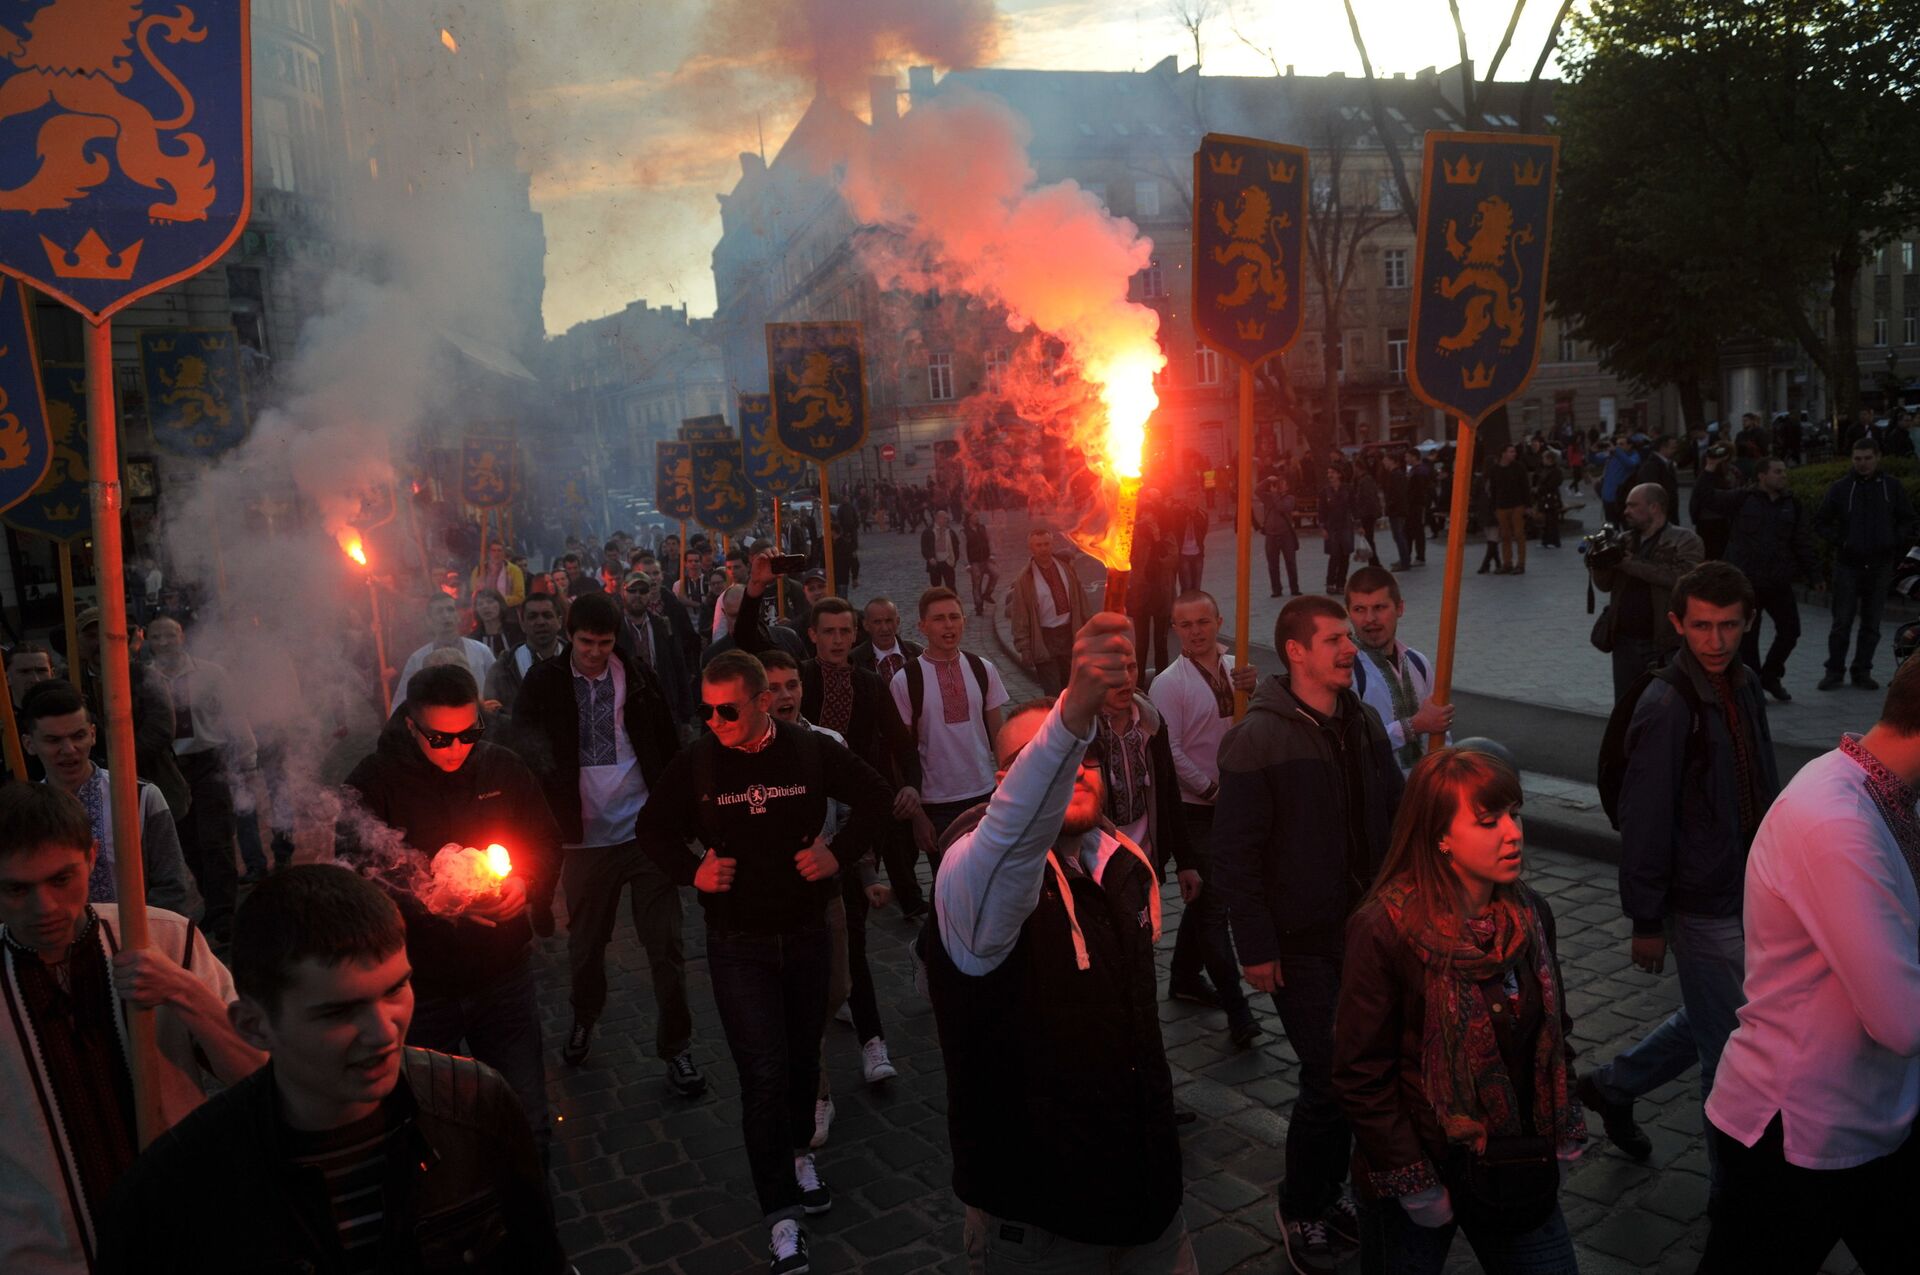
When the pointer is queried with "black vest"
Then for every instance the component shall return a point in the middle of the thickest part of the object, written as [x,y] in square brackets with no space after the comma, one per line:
[1059,1101]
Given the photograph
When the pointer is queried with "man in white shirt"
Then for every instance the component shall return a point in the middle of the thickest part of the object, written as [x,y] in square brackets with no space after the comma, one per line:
[1045,609]
[443,622]
[1814,1101]
[1392,678]
[940,546]
[540,618]
[951,700]
[1194,695]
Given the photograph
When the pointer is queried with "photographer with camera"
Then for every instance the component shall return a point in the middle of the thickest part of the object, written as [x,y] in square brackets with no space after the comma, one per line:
[1640,574]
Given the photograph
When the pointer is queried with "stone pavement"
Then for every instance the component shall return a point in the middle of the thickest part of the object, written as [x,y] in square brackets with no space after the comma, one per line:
[646,1181]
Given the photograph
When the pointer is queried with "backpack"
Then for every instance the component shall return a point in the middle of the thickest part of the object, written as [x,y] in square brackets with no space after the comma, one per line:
[917,691]
[1613,744]
[1360,671]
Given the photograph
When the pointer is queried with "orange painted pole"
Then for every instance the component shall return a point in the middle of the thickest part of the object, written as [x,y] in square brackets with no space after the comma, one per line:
[116,693]
[826,526]
[1243,535]
[780,586]
[1456,570]
[16,759]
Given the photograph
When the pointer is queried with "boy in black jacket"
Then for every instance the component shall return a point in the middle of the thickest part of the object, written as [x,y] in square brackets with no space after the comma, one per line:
[433,781]
[1308,790]
[754,795]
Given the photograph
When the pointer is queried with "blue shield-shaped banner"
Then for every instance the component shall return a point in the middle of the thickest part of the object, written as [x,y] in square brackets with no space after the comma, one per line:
[673,479]
[723,500]
[126,144]
[61,506]
[815,371]
[25,450]
[196,404]
[697,427]
[770,467]
[1249,240]
[486,472]
[1486,220]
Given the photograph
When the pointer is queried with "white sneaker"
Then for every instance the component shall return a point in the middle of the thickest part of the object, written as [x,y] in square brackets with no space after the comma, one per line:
[787,1249]
[814,1195]
[844,1014]
[822,1121]
[874,1063]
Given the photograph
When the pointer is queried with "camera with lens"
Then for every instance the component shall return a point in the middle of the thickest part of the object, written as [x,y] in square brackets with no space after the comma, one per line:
[1606,547]
[1719,451]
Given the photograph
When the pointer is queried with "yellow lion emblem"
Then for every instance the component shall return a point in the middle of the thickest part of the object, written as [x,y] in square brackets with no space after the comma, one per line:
[76,55]
[1252,228]
[821,387]
[1482,259]
[192,389]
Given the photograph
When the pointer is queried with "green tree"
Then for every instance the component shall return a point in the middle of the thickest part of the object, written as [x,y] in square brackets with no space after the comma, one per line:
[1728,166]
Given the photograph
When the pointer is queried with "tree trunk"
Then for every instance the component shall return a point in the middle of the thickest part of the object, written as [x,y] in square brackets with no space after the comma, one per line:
[1842,361]
[1693,403]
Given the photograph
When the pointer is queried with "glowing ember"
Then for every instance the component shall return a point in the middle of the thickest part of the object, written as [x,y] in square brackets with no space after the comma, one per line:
[499,862]
[461,876]
[352,545]
[446,38]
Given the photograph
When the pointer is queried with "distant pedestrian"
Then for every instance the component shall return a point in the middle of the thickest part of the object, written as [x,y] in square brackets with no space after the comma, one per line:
[1274,517]
[1869,521]
[943,550]
[1770,540]
[1634,627]
[1510,489]
[1047,607]
[980,573]
[1336,523]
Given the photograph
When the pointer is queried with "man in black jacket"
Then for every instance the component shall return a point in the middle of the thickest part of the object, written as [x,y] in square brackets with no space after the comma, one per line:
[604,736]
[1658,468]
[754,794]
[1869,521]
[1308,790]
[884,652]
[942,550]
[1770,539]
[432,782]
[349,1151]
[647,633]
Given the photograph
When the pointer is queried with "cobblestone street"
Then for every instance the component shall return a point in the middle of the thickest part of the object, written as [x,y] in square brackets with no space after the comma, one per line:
[647,1181]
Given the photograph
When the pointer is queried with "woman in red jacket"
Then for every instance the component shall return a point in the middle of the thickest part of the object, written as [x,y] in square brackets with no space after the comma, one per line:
[1451,1042]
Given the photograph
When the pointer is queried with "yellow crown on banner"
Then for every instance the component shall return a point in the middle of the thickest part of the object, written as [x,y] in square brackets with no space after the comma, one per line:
[1226,164]
[1531,173]
[1477,377]
[60,513]
[1250,329]
[91,258]
[1463,173]
[1281,171]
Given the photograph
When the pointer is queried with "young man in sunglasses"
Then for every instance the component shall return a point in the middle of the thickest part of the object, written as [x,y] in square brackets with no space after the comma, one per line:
[600,735]
[432,781]
[1041,973]
[753,795]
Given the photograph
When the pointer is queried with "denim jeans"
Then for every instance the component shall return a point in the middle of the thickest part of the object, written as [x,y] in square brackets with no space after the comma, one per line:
[501,1027]
[593,879]
[1204,940]
[1277,550]
[1862,590]
[771,990]
[1319,1140]
[1391,1243]
[1709,955]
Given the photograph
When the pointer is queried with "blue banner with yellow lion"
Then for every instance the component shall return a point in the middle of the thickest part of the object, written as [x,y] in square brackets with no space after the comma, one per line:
[486,472]
[770,467]
[1249,245]
[60,507]
[125,144]
[1480,275]
[25,449]
[196,403]
[816,374]
[673,478]
[697,427]
[723,499]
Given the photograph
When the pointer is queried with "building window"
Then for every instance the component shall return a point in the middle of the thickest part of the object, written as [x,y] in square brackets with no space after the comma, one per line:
[1206,366]
[1880,327]
[1146,199]
[1911,333]
[1393,261]
[1397,353]
[1389,199]
[1569,349]
[1356,349]
[1153,280]
[996,367]
[243,284]
[1883,262]
[940,377]
[1906,256]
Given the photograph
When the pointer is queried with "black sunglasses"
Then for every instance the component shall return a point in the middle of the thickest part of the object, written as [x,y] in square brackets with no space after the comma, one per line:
[728,712]
[447,739]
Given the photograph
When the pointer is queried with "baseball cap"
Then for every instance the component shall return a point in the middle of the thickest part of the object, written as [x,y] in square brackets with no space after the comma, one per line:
[90,615]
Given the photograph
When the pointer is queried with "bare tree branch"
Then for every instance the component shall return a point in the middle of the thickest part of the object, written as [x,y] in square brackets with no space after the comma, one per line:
[1506,41]
[1539,65]
[1408,205]
[1466,63]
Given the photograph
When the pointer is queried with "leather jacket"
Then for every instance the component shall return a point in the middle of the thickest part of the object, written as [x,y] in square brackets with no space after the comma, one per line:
[465,1190]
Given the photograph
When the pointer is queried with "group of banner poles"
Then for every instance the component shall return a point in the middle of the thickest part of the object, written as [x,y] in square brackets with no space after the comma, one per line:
[779,546]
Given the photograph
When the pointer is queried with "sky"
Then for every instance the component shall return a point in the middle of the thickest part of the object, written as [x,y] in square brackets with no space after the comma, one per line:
[631,115]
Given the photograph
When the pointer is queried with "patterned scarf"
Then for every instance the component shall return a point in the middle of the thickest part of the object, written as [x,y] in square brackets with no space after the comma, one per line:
[1398,675]
[1462,1071]
[891,664]
[836,696]
[1049,571]
[1750,811]
[954,708]
[1893,798]
[594,700]
[93,795]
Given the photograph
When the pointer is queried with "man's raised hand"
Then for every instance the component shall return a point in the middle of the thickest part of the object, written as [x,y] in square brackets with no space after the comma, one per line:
[1102,656]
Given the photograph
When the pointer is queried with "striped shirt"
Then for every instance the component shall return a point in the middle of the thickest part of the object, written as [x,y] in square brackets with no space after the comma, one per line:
[353,1162]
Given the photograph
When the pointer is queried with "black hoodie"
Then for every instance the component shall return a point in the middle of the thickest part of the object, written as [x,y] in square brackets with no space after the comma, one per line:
[493,797]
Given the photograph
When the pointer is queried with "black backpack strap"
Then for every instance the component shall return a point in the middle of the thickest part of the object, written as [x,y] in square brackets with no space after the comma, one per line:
[979,667]
[916,691]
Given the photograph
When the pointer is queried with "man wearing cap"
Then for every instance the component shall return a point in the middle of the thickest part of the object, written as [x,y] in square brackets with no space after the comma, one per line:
[648,634]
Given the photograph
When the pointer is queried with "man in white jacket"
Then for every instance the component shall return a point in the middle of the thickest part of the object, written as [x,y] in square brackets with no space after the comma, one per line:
[1390,677]
[1195,696]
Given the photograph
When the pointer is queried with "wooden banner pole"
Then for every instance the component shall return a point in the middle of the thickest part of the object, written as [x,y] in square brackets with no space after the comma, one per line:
[485,515]
[64,551]
[116,693]
[1456,564]
[779,546]
[826,526]
[683,557]
[379,648]
[1243,535]
[16,759]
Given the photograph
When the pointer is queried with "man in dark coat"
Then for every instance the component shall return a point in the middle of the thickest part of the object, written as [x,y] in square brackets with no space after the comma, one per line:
[1770,539]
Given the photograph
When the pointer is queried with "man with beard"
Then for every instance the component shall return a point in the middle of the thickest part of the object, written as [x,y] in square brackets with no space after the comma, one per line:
[540,619]
[1390,677]
[1040,969]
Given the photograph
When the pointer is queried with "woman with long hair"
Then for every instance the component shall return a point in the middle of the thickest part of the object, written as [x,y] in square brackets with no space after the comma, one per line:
[493,625]
[1452,1054]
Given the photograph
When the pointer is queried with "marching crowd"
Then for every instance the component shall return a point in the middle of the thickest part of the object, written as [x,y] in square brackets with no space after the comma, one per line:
[353,1072]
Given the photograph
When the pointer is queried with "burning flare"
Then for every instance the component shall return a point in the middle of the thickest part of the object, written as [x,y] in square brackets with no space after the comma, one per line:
[352,545]
[499,862]
[1125,385]
[461,876]
[446,38]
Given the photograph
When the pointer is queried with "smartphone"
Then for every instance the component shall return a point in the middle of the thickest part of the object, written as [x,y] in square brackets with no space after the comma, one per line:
[785,564]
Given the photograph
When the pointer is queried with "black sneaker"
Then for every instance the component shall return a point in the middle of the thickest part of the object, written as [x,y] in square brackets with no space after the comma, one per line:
[1865,682]
[1196,991]
[814,1195]
[684,1076]
[787,1250]
[1342,1220]
[1309,1250]
[1774,687]
[1831,682]
[1622,1130]
[1244,1033]
[579,1040]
